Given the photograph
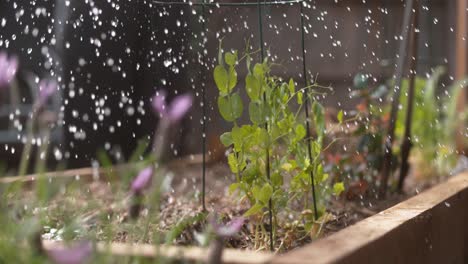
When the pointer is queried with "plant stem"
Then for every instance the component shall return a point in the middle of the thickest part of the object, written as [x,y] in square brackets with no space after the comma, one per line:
[24,162]
[41,163]
[161,136]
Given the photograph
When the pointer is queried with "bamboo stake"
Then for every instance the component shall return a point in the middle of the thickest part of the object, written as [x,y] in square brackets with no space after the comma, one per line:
[388,155]
[407,143]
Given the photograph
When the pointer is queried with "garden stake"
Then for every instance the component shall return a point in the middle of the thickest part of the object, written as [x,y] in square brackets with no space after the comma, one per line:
[388,155]
[407,143]
[203,94]
[309,148]
[262,55]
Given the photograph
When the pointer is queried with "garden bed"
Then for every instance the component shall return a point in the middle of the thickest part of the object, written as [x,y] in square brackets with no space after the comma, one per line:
[428,228]
[182,202]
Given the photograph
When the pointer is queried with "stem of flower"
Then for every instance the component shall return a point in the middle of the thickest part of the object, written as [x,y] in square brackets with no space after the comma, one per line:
[23,167]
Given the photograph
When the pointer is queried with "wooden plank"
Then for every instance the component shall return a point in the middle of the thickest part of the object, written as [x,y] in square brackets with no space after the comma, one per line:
[198,254]
[89,174]
[428,228]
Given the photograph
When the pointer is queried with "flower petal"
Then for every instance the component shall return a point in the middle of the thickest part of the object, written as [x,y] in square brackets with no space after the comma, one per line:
[46,89]
[179,107]
[142,181]
[76,254]
[11,69]
[159,102]
[8,68]
[230,229]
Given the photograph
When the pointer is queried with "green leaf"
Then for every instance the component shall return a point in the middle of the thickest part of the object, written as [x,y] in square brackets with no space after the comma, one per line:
[340,116]
[237,138]
[225,108]
[338,188]
[256,113]
[182,225]
[230,107]
[287,166]
[233,187]
[299,98]
[265,193]
[253,87]
[237,106]
[232,161]
[292,86]
[319,176]
[226,139]
[230,58]
[319,118]
[277,179]
[300,132]
[316,148]
[258,71]
[232,78]
[139,152]
[221,79]
[257,208]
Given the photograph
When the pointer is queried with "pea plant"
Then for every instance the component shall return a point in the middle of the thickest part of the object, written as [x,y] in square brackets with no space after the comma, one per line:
[274,139]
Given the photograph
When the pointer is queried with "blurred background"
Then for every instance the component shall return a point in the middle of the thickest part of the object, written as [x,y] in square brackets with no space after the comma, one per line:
[110,57]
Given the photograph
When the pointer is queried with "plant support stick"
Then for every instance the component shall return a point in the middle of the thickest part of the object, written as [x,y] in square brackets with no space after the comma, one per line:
[309,147]
[388,155]
[262,54]
[407,143]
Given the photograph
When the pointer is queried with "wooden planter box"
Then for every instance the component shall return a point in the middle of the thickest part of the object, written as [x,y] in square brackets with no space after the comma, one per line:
[431,227]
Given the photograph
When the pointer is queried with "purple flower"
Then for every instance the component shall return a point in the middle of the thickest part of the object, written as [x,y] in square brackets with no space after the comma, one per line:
[75,254]
[228,230]
[46,89]
[142,180]
[176,110]
[8,68]
[222,232]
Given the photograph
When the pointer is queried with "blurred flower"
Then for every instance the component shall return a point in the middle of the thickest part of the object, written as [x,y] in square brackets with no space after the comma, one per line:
[222,232]
[46,89]
[142,180]
[176,110]
[75,254]
[228,230]
[8,68]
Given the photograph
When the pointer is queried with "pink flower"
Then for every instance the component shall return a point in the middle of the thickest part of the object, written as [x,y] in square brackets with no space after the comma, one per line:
[8,68]
[142,180]
[75,254]
[176,110]
[228,230]
[46,89]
